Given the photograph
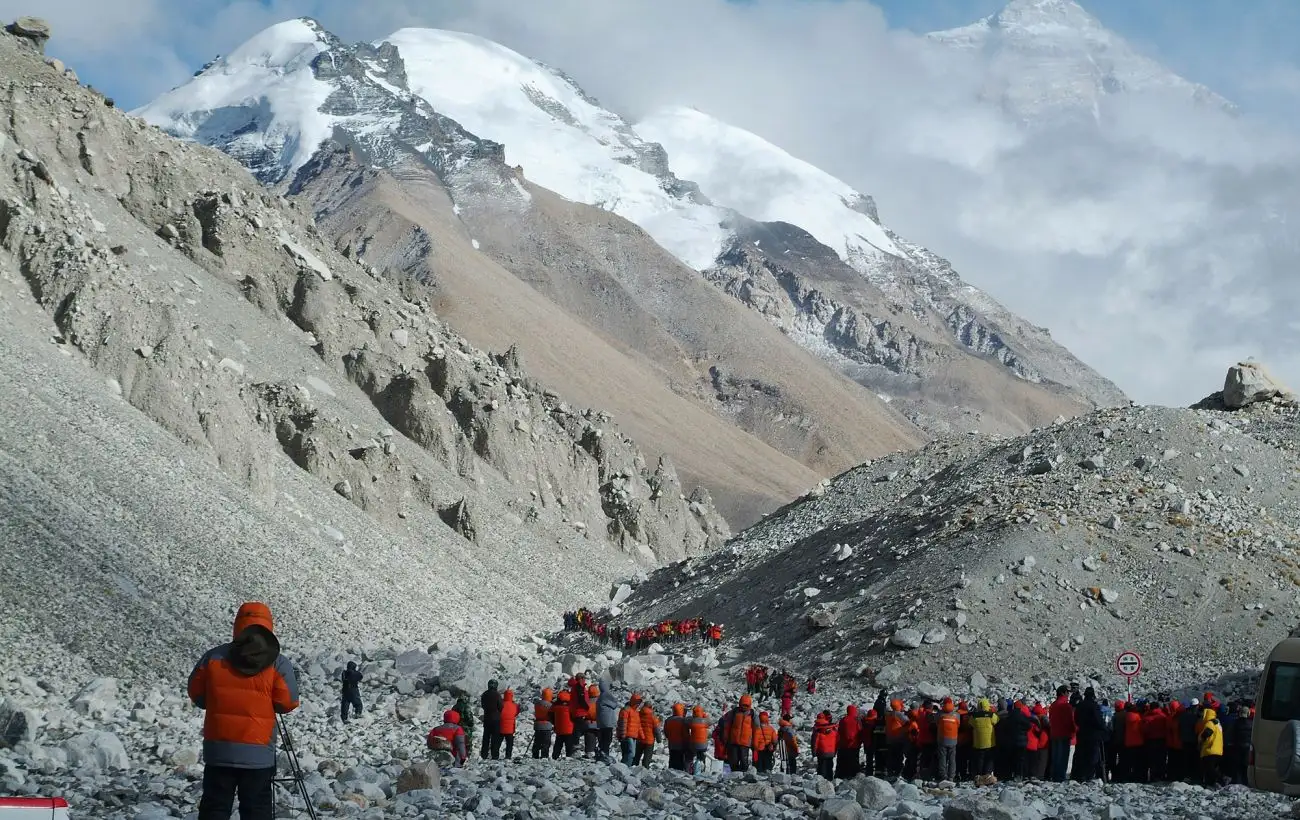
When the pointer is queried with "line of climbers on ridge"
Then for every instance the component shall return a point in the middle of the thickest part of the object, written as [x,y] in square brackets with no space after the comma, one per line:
[1073,738]
[641,638]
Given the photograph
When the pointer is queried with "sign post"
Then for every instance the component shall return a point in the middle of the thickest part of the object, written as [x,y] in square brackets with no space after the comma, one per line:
[1129,664]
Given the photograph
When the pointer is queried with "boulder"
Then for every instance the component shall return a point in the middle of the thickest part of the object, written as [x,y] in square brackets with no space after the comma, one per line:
[97,752]
[875,794]
[620,594]
[840,809]
[466,675]
[16,724]
[889,675]
[460,517]
[421,776]
[907,638]
[419,710]
[99,696]
[823,617]
[415,664]
[1248,383]
[31,28]
[575,664]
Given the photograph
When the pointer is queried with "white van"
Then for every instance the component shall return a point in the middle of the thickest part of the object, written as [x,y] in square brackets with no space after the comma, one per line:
[1277,704]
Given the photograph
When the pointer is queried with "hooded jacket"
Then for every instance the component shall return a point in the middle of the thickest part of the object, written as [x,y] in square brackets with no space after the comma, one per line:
[606,707]
[849,729]
[698,727]
[1211,737]
[509,712]
[242,686]
[1061,718]
[451,735]
[982,723]
[676,728]
[491,704]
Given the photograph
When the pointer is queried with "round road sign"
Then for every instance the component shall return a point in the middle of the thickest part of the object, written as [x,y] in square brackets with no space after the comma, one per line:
[1129,664]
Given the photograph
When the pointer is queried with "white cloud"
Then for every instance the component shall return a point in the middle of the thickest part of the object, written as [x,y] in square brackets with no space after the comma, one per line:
[1155,241]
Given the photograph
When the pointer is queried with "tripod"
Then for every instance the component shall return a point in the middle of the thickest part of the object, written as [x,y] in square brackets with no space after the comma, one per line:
[295,776]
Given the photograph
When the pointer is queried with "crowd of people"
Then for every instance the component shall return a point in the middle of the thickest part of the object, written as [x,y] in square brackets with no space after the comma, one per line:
[1076,737]
[639,639]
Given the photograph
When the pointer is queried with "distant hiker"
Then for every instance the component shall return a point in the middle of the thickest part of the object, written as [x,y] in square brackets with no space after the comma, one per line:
[606,718]
[490,701]
[351,690]
[509,717]
[448,739]
[812,686]
[242,686]
[542,726]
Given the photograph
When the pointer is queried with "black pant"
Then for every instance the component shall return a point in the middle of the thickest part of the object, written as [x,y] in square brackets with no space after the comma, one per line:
[1157,763]
[491,739]
[826,766]
[541,743]
[496,746]
[846,764]
[981,762]
[766,760]
[606,740]
[677,759]
[221,783]
[352,699]
[1210,777]
[566,743]
[739,757]
[645,753]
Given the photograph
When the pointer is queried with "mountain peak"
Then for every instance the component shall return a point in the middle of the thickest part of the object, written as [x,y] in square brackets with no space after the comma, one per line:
[1044,16]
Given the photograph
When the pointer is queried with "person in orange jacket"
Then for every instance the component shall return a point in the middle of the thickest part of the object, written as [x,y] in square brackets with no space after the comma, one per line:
[897,725]
[591,738]
[629,729]
[848,742]
[650,732]
[787,741]
[543,728]
[562,718]
[509,717]
[740,730]
[1174,742]
[765,743]
[947,726]
[698,727]
[825,745]
[867,739]
[241,686]
[1039,741]
[1130,763]
[677,736]
[927,755]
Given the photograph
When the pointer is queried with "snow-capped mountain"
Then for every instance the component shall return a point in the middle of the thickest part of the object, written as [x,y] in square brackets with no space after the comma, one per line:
[1051,59]
[726,203]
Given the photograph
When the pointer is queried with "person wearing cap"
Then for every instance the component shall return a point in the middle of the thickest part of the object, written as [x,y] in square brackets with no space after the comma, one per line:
[1189,734]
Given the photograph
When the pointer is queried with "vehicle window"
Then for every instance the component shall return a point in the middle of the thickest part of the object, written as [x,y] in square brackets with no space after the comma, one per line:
[1282,692]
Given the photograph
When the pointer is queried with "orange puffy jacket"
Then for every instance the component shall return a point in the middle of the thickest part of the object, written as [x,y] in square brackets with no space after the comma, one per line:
[765,740]
[742,726]
[896,722]
[698,726]
[824,740]
[542,713]
[241,686]
[593,709]
[676,728]
[629,719]
[509,712]
[562,717]
[649,726]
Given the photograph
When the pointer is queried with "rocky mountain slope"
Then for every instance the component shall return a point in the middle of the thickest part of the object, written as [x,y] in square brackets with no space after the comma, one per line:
[1170,532]
[508,134]
[205,402]
[1052,60]
[445,209]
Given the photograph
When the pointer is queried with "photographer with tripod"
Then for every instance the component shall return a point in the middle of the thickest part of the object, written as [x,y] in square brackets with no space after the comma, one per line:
[242,686]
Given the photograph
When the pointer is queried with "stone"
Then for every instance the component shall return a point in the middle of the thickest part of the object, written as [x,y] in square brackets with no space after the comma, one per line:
[97,751]
[16,724]
[1094,462]
[1248,383]
[35,29]
[936,635]
[400,336]
[421,776]
[933,691]
[344,488]
[889,675]
[1109,596]
[415,663]
[575,664]
[1042,467]
[875,794]
[460,517]
[1114,522]
[978,683]
[99,696]
[418,710]
[1091,564]
[747,792]
[840,809]
[907,638]
[823,617]
[305,258]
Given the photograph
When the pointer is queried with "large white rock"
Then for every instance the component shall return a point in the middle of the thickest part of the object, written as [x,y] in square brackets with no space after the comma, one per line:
[1250,382]
[907,638]
[97,697]
[97,751]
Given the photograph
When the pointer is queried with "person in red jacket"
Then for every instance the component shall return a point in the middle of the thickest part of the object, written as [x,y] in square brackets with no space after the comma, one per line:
[1038,742]
[1131,753]
[824,745]
[509,717]
[562,719]
[848,743]
[1155,733]
[448,738]
[242,686]
[1061,731]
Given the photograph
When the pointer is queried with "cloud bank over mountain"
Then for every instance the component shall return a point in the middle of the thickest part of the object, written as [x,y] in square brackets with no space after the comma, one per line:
[1149,227]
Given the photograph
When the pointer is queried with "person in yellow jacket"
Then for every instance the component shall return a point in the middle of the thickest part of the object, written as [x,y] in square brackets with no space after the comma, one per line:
[629,729]
[982,722]
[1211,738]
